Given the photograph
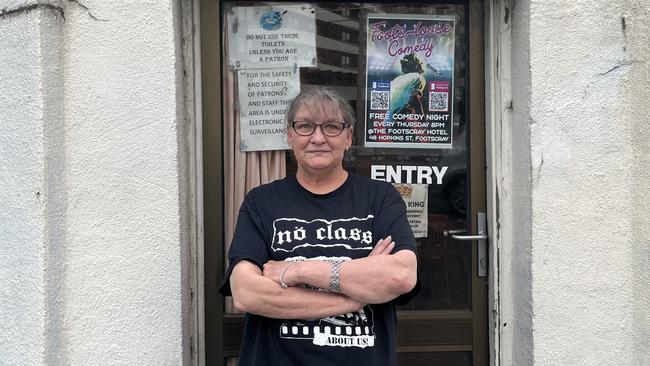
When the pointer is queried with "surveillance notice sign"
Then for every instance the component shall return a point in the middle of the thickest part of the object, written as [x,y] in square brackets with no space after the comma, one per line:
[409,81]
[264,96]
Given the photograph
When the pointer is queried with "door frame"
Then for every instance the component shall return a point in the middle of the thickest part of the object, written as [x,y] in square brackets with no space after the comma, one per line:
[213,202]
[477,169]
[215,322]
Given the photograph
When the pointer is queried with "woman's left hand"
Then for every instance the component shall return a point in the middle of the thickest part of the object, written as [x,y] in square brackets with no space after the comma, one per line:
[273,269]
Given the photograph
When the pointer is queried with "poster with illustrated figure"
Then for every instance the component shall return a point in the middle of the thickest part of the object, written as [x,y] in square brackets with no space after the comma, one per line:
[409,81]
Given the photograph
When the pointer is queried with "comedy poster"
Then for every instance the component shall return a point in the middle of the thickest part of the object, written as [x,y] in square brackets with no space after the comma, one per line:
[409,81]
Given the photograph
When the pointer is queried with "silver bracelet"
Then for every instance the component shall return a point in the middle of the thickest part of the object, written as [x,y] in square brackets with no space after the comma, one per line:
[335,272]
[282,284]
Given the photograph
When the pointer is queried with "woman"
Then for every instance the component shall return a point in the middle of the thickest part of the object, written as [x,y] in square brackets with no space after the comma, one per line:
[302,261]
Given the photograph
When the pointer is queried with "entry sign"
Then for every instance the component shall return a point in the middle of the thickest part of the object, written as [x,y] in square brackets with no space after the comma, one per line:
[262,37]
[264,95]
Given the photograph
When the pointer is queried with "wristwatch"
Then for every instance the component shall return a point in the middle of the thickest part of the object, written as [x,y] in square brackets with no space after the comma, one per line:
[335,272]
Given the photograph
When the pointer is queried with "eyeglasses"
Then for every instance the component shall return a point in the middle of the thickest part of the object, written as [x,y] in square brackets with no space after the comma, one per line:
[329,129]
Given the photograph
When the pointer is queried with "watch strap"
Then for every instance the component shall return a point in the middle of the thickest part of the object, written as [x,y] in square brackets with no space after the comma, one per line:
[335,273]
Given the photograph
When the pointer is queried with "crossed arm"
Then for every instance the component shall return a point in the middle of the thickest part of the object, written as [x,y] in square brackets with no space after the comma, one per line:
[378,278]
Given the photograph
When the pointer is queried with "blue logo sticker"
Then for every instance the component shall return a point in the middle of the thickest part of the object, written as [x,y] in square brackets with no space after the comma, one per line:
[380,85]
[271,20]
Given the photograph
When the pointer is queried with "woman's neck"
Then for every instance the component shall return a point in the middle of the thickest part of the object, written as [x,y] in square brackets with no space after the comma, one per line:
[321,183]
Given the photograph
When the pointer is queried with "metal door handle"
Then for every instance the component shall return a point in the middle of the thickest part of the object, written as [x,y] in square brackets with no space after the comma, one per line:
[481,236]
[481,241]
[454,234]
[453,231]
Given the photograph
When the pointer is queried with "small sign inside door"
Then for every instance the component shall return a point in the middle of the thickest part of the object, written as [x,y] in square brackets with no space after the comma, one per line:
[415,197]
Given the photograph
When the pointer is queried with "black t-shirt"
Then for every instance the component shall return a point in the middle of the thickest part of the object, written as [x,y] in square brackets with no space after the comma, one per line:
[284,221]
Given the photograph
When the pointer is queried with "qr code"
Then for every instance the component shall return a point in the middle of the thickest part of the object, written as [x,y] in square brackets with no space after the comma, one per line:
[379,100]
[438,102]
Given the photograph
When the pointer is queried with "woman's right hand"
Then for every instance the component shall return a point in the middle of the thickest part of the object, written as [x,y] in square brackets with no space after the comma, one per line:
[356,305]
[383,246]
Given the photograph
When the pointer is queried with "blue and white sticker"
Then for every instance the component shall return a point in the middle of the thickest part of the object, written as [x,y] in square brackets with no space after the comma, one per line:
[271,20]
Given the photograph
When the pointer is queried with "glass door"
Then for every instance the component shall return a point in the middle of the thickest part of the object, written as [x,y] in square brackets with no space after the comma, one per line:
[437,326]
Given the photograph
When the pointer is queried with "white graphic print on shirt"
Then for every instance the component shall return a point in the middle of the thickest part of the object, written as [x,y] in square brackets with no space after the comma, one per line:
[290,234]
[347,330]
[327,240]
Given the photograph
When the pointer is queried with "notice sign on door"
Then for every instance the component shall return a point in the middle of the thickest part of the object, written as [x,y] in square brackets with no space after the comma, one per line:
[262,37]
[409,81]
[415,197]
[263,99]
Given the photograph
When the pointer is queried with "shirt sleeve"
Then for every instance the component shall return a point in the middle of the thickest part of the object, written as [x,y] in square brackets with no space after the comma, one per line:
[391,220]
[248,242]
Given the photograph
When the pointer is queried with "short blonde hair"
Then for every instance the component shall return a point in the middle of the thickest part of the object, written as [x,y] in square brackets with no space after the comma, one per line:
[316,99]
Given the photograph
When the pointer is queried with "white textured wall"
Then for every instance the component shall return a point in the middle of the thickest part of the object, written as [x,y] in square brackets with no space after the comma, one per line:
[123,282]
[96,262]
[637,95]
[569,168]
[509,185]
[589,148]
[22,190]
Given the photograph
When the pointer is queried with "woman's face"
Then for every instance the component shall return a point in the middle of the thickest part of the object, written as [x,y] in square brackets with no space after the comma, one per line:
[318,152]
